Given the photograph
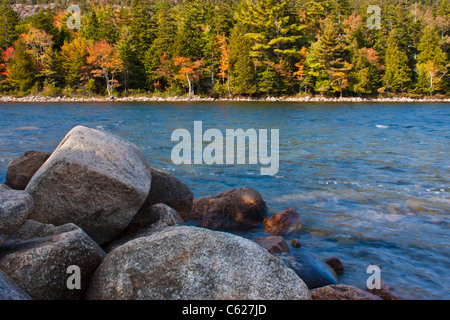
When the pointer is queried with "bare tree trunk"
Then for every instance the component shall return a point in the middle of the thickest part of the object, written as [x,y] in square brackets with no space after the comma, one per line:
[107,84]
[228,85]
[190,85]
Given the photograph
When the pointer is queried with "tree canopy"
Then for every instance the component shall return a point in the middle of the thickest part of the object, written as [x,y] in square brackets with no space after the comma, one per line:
[225,48]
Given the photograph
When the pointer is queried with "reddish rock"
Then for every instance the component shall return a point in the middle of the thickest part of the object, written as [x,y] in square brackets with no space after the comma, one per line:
[341,292]
[295,243]
[273,244]
[22,169]
[384,292]
[234,209]
[285,222]
[336,264]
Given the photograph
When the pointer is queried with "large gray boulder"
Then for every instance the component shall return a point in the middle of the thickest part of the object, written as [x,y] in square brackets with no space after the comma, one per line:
[168,189]
[9,290]
[23,168]
[40,265]
[234,209]
[161,216]
[193,263]
[15,207]
[93,179]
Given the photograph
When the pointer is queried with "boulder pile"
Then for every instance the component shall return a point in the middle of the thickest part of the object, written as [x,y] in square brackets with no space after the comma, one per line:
[94,220]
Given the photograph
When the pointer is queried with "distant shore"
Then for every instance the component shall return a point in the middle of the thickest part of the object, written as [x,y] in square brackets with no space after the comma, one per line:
[39,99]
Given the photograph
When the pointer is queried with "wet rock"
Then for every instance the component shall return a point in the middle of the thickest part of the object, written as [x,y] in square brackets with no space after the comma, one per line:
[162,216]
[283,223]
[336,264]
[295,243]
[273,244]
[93,179]
[342,292]
[234,209]
[197,264]
[9,290]
[168,189]
[40,265]
[314,272]
[22,169]
[15,207]
[384,292]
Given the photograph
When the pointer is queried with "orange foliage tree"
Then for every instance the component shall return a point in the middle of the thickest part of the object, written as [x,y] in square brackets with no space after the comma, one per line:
[224,66]
[105,62]
[192,70]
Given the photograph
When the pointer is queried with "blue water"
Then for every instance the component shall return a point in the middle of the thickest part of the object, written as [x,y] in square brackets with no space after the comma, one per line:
[371,181]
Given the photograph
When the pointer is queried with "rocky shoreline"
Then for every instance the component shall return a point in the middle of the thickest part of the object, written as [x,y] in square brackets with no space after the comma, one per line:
[39,99]
[93,220]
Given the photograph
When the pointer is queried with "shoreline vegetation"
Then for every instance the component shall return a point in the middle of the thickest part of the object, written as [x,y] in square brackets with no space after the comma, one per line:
[40,99]
[225,48]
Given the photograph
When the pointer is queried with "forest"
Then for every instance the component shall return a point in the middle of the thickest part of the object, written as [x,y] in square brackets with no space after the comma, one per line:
[225,48]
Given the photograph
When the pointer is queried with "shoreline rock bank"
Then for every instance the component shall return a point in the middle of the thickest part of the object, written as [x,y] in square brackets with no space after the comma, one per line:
[39,99]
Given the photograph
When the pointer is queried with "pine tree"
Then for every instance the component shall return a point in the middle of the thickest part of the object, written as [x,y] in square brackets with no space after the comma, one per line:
[242,68]
[397,74]
[276,34]
[21,70]
[8,21]
[51,70]
[142,25]
[334,53]
[128,55]
[92,29]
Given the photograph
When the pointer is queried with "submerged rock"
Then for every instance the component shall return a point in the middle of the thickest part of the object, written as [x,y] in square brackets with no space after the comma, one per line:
[295,243]
[273,244]
[15,207]
[9,290]
[22,169]
[342,292]
[234,209]
[93,179]
[40,265]
[168,189]
[314,272]
[336,264]
[194,263]
[384,292]
[283,223]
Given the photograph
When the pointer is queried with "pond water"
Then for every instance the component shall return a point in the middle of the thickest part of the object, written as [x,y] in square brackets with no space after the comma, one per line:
[371,181]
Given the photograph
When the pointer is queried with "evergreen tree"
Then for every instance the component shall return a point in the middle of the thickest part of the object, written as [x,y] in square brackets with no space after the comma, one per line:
[8,21]
[334,55]
[397,74]
[92,29]
[242,68]
[142,25]
[21,70]
[275,34]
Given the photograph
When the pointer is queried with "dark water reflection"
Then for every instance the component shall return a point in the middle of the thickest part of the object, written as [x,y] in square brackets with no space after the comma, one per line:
[371,181]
